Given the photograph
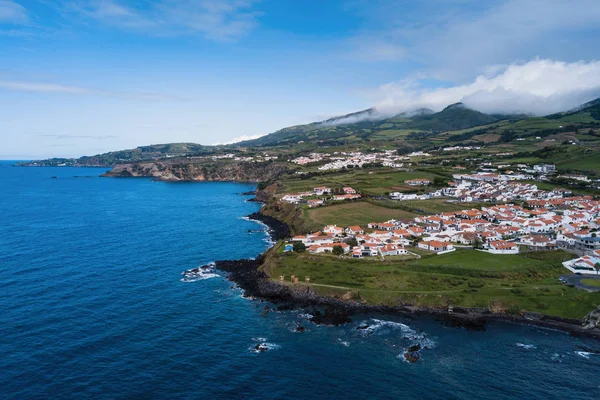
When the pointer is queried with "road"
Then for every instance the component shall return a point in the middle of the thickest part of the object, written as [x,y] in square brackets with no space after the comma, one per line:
[575,280]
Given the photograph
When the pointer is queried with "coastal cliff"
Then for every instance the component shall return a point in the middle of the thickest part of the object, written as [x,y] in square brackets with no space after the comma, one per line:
[255,278]
[198,172]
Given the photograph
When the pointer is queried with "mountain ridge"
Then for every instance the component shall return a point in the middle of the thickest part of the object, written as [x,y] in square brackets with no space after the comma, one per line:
[421,129]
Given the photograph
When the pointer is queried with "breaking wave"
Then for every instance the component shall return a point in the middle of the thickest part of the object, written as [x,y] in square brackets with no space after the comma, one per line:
[407,333]
[199,274]
[263,347]
[525,346]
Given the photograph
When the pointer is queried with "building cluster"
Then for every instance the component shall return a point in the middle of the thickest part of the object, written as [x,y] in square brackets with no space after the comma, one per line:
[320,195]
[230,156]
[461,148]
[339,159]
[569,223]
[484,187]
[587,264]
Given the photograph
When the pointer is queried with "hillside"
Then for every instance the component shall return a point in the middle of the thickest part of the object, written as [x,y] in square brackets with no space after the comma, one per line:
[423,129]
[368,126]
[141,153]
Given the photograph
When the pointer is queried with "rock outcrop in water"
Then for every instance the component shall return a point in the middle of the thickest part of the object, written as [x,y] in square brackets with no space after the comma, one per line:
[179,171]
[249,276]
[592,320]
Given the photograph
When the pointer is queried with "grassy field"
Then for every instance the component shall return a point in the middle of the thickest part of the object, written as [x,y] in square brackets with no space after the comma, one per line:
[363,212]
[507,283]
[357,213]
[377,181]
[591,282]
[432,206]
[589,162]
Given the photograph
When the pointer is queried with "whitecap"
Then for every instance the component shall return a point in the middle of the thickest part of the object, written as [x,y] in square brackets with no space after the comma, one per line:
[406,331]
[200,273]
[305,316]
[525,346]
[343,343]
[200,278]
[584,354]
[264,347]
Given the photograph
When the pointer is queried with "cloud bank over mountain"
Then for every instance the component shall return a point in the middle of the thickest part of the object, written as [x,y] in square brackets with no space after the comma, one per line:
[538,87]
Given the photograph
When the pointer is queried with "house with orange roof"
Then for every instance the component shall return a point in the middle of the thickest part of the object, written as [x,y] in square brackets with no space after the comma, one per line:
[502,247]
[418,182]
[392,250]
[584,265]
[415,230]
[349,190]
[321,190]
[437,246]
[314,203]
[381,234]
[467,238]
[342,197]
[354,230]
[538,242]
[327,248]
[333,229]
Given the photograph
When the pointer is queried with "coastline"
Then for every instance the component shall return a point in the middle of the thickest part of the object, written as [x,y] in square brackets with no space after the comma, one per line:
[329,310]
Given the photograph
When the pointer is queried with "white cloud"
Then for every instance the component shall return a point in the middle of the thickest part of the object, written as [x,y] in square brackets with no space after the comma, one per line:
[538,87]
[41,87]
[240,139]
[219,20]
[12,13]
[453,40]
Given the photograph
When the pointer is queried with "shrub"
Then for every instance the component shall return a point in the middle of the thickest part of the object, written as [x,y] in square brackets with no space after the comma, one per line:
[299,247]
[338,250]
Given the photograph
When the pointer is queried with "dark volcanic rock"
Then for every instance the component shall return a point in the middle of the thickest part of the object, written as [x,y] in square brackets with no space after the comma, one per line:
[414,348]
[411,356]
[299,328]
[277,229]
[261,348]
[331,316]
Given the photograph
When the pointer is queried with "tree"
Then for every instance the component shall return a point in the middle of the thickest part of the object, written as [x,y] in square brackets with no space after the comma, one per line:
[352,242]
[338,250]
[299,247]
[597,267]
[477,244]
[439,181]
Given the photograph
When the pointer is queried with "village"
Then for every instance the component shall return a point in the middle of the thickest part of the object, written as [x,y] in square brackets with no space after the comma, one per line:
[545,221]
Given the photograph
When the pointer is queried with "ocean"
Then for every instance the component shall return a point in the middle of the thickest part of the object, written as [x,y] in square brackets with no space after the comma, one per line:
[92,305]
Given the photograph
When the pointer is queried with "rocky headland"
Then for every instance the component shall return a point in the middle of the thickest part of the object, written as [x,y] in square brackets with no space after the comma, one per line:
[256,283]
[181,171]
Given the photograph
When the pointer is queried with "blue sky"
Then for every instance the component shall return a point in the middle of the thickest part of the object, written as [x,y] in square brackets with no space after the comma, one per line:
[83,77]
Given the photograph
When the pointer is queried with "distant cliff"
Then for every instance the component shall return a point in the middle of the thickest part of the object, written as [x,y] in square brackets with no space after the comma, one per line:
[197,172]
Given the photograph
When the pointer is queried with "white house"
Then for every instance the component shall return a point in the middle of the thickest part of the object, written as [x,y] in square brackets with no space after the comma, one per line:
[320,190]
[437,246]
[392,250]
[502,247]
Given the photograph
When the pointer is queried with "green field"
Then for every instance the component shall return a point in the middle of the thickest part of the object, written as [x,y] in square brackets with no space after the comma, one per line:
[591,282]
[506,283]
[356,213]
[589,162]
[369,181]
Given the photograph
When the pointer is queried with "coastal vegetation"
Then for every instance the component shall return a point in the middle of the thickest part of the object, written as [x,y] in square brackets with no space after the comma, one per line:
[467,278]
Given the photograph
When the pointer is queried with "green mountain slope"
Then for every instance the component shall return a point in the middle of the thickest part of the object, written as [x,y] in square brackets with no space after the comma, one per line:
[367,125]
[142,153]
[456,125]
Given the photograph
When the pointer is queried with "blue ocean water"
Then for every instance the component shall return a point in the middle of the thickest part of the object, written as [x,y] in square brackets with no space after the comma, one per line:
[92,306]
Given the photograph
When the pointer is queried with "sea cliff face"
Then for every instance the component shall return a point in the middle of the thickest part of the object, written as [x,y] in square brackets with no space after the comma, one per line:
[198,172]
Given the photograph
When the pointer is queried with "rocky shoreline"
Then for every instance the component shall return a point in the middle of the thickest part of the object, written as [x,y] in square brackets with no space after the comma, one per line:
[332,311]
